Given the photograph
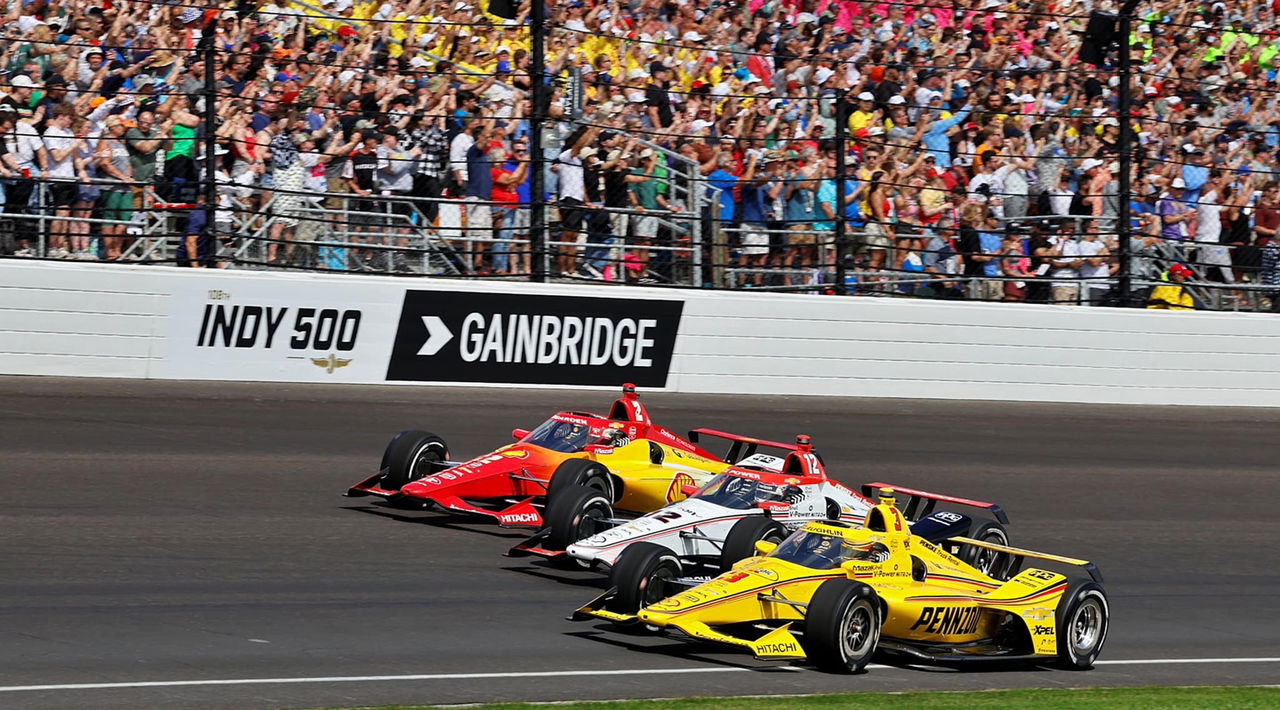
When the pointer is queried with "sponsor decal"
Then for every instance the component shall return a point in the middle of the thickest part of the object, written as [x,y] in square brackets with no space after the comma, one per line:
[947,556]
[736,577]
[778,648]
[516,454]
[948,620]
[249,326]
[1042,575]
[1042,630]
[331,363]
[947,517]
[678,482]
[764,572]
[516,518]
[445,336]
[1037,613]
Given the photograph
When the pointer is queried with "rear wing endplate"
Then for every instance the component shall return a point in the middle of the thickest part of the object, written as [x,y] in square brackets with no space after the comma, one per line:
[922,503]
[1089,567]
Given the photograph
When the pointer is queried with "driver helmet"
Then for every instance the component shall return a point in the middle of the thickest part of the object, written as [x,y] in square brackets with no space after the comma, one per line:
[614,436]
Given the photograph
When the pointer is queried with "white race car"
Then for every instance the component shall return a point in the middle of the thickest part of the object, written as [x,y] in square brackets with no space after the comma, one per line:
[719,523]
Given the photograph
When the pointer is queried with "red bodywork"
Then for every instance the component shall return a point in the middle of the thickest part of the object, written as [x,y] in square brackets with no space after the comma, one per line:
[506,483]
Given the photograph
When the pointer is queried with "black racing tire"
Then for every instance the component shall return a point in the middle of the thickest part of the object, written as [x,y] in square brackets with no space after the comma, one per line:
[411,455]
[842,626]
[833,510]
[642,576]
[1084,615]
[989,562]
[576,513]
[580,472]
[740,543]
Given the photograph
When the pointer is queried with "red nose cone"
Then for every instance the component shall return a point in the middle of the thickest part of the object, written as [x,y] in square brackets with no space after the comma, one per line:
[416,489]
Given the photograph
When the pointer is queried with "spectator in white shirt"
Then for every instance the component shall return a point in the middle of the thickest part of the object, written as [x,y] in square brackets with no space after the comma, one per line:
[1064,260]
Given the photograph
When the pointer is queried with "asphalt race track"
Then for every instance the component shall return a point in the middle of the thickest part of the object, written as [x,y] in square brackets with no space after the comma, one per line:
[180,533]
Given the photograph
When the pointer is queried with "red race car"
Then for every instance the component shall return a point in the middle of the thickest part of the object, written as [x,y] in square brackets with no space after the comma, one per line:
[640,465]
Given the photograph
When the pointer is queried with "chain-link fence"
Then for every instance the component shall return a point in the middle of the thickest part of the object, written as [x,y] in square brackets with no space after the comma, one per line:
[950,152]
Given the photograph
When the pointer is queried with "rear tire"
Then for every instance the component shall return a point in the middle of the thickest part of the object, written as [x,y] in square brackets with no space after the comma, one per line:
[842,626]
[575,514]
[989,562]
[411,455]
[740,543]
[642,576]
[1084,615]
[580,472]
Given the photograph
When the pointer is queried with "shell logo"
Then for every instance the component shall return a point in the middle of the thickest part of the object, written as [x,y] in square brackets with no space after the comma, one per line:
[516,454]
[678,482]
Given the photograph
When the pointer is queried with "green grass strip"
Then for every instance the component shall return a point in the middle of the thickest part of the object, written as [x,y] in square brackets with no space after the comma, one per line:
[1208,698]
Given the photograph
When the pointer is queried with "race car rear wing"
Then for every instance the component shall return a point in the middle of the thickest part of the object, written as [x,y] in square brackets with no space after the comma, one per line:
[743,446]
[922,503]
[1089,567]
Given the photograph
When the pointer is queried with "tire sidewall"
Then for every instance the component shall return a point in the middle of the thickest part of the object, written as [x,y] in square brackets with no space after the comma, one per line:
[830,610]
[739,543]
[1076,596]
[565,512]
[971,554]
[634,572]
[580,472]
[403,454]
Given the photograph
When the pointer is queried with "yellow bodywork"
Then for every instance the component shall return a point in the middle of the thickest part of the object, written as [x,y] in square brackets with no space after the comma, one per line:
[952,604]
[648,486]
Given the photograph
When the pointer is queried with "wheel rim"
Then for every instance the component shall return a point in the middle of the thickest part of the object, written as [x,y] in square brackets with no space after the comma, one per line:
[429,453]
[591,522]
[858,630]
[655,589]
[1086,627]
[986,559]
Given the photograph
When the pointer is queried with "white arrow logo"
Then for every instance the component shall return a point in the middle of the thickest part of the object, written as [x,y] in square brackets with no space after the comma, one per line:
[438,335]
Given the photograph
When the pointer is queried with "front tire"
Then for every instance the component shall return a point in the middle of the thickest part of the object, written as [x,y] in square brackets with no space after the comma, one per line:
[411,455]
[1084,615]
[576,514]
[989,562]
[643,575]
[740,543]
[580,472]
[842,626]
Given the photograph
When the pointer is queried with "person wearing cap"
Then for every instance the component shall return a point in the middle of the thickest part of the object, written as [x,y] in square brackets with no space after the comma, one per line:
[116,201]
[1195,172]
[1172,295]
[657,100]
[864,114]
[647,198]
[1175,213]
[17,95]
[1065,263]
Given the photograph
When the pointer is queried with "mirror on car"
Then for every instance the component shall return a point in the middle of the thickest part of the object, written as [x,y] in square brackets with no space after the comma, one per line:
[773,506]
[764,547]
[519,434]
[688,489]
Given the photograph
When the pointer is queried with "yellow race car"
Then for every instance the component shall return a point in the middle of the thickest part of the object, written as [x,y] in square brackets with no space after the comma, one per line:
[835,594]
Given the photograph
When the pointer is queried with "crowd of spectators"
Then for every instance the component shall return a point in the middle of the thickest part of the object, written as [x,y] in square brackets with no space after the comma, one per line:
[980,147]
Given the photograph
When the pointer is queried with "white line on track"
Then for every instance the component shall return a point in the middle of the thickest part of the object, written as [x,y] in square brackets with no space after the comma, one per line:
[522,674]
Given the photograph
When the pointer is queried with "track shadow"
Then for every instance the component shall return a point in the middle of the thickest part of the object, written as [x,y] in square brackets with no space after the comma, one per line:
[543,570]
[672,648]
[968,668]
[441,520]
